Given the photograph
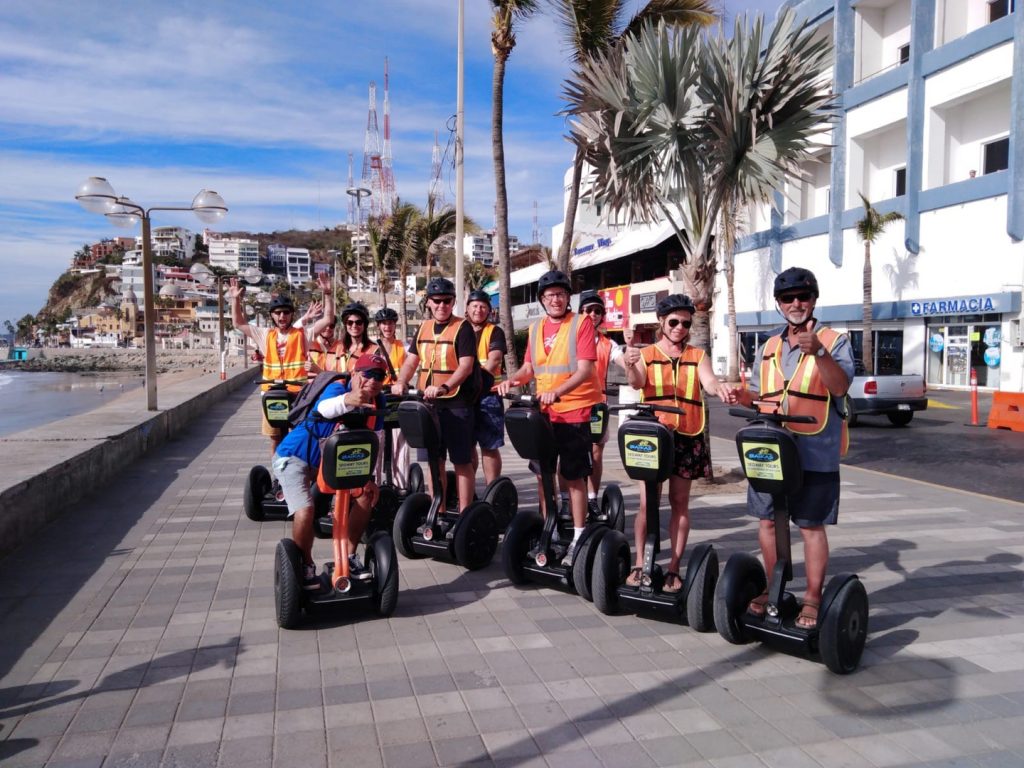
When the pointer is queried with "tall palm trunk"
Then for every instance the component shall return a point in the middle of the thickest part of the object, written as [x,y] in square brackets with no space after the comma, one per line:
[867,345]
[501,53]
[570,212]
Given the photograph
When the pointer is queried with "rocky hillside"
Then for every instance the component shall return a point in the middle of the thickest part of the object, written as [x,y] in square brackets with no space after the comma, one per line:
[75,291]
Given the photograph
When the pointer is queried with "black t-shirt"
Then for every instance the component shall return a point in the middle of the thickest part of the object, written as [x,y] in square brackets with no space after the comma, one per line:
[497,342]
[465,346]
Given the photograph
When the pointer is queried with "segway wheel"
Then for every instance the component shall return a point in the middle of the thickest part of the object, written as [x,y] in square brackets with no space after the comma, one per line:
[503,497]
[522,536]
[414,480]
[700,597]
[742,580]
[256,487]
[844,628]
[287,584]
[610,569]
[583,563]
[323,506]
[476,536]
[383,516]
[409,517]
[613,506]
[382,561]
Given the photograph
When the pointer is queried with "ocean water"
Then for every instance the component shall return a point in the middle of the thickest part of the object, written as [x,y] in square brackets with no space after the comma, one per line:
[30,399]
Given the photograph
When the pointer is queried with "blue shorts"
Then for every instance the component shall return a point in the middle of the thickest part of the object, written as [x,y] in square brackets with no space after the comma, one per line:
[457,434]
[489,431]
[816,504]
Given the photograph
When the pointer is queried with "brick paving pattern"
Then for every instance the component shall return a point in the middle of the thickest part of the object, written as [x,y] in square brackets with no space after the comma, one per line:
[139,631]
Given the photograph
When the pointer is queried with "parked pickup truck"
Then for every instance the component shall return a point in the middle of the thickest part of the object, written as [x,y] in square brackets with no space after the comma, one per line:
[895,397]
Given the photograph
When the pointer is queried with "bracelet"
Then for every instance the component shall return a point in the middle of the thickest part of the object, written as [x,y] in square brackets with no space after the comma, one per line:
[445,388]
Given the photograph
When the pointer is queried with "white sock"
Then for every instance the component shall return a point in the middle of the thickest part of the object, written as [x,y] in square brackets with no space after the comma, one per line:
[576,533]
[592,496]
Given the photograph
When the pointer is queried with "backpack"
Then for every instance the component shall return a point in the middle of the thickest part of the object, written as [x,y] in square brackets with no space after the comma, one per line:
[310,393]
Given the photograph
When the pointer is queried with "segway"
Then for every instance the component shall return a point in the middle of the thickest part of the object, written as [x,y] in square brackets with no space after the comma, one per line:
[771,463]
[611,510]
[348,462]
[424,525]
[535,546]
[647,450]
[262,498]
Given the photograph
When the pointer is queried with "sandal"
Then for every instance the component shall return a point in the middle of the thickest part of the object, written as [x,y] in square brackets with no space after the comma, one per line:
[633,580]
[808,618]
[673,577]
[757,606]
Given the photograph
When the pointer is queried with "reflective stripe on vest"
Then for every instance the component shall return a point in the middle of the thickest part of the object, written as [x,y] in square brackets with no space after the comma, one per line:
[674,381]
[438,359]
[292,366]
[325,360]
[604,356]
[347,359]
[482,351]
[554,368]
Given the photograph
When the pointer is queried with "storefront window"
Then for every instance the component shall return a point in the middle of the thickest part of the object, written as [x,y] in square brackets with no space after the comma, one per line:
[888,351]
[958,344]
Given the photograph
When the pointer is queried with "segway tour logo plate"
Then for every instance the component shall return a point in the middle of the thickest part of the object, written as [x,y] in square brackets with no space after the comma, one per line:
[276,409]
[353,460]
[640,452]
[597,422]
[762,461]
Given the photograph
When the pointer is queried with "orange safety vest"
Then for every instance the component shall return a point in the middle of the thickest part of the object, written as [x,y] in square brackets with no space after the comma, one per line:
[482,350]
[554,368]
[438,359]
[396,354]
[324,359]
[347,360]
[604,356]
[292,366]
[674,382]
[804,394]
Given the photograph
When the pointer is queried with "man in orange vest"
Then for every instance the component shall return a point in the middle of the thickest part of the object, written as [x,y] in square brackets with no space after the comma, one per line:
[804,369]
[490,412]
[561,354]
[444,352]
[608,352]
[671,372]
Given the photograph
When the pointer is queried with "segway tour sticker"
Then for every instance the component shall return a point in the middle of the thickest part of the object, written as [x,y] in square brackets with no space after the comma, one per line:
[353,460]
[762,461]
[641,452]
[597,422]
[276,409]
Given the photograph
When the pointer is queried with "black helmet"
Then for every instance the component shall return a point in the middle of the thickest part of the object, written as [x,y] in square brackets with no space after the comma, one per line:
[675,302]
[590,296]
[386,314]
[440,286]
[795,279]
[355,308]
[479,296]
[281,301]
[553,279]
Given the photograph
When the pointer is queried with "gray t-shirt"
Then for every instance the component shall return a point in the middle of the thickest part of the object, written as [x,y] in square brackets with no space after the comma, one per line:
[818,453]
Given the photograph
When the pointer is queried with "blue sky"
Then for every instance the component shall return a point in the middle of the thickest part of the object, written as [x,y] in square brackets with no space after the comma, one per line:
[262,102]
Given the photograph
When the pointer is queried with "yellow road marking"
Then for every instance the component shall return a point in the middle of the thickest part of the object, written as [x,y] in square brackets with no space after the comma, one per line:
[938,404]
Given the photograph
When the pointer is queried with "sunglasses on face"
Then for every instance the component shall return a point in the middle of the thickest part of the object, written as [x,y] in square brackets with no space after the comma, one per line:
[805,296]
[675,321]
[594,310]
[355,322]
[443,300]
[281,312]
[374,375]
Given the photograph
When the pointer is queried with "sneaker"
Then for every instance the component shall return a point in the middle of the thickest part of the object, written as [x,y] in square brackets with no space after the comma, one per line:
[567,560]
[277,492]
[356,571]
[310,578]
[593,507]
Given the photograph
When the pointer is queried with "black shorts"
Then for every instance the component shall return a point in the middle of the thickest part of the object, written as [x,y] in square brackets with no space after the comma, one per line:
[573,442]
[816,504]
[456,434]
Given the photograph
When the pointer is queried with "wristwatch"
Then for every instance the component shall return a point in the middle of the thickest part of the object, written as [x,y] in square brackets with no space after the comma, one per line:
[821,352]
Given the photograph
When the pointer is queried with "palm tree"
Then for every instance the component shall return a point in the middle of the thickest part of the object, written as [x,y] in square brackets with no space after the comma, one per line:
[345,269]
[432,228]
[594,26]
[503,40]
[477,275]
[678,126]
[869,229]
[391,239]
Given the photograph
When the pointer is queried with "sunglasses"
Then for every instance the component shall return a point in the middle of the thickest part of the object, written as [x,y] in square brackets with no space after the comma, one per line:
[443,300]
[374,375]
[355,322]
[594,310]
[282,312]
[674,321]
[805,296]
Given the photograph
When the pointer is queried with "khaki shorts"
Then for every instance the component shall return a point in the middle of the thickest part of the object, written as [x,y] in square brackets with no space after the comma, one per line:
[268,431]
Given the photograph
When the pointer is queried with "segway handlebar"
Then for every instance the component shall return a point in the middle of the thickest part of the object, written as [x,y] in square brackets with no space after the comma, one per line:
[646,408]
[776,418]
[526,399]
[283,382]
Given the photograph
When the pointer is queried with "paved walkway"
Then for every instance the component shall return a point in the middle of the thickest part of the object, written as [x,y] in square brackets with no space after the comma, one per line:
[139,631]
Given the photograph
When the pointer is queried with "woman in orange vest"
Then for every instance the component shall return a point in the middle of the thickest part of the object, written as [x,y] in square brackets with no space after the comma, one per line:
[670,372]
[355,336]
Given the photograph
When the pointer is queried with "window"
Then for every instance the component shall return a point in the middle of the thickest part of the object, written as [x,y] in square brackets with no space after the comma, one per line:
[900,181]
[903,54]
[996,155]
[999,8]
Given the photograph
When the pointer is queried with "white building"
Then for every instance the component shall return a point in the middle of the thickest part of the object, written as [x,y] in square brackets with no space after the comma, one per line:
[480,247]
[298,266]
[233,254]
[177,243]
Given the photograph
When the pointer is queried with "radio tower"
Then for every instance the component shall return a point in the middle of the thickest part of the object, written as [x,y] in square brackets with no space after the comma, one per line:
[536,229]
[387,173]
[351,198]
[372,166]
[435,192]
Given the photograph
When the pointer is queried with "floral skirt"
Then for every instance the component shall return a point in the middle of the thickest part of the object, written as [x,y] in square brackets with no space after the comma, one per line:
[692,460]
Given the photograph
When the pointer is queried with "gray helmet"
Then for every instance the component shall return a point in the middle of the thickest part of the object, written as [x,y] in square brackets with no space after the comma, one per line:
[590,296]
[440,286]
[553,279]
[796,279]
[281,301]
[355,308]
[675,302]
[386,314]
[479,296]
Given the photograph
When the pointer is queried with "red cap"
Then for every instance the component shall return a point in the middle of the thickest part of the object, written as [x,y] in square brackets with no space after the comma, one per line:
[372,362]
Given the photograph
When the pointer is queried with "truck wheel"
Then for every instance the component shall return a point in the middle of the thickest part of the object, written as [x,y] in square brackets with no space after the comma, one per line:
[851,415]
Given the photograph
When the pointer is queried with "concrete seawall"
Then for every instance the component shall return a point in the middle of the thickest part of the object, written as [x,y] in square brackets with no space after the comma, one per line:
[49,468]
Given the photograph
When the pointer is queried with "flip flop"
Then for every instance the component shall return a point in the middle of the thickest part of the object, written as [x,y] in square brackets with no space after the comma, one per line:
[808,618]
[757,606]
[669,575]
[633,579]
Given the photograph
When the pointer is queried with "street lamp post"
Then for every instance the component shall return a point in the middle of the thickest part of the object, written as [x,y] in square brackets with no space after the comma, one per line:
[96,195]
[358,193]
